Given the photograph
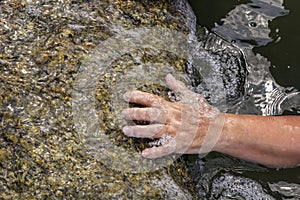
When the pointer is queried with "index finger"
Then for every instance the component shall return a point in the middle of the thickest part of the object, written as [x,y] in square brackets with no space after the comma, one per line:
[175,85]
[143,98]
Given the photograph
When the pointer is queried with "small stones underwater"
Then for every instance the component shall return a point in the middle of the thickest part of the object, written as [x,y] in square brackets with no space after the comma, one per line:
[42,46]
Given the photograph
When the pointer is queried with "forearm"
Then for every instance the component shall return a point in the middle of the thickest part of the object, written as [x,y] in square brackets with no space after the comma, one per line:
[272,140]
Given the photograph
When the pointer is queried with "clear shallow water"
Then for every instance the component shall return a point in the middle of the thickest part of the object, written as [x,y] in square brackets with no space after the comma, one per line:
[42,155]
[256,27]
[218,176]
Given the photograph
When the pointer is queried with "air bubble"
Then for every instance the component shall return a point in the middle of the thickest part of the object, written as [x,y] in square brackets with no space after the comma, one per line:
[253,24]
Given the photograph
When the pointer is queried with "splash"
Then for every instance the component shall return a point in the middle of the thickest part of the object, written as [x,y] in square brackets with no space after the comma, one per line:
[248,26]
[252,90]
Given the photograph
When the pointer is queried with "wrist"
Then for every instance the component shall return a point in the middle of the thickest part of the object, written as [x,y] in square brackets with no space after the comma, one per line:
[225,140]
[213,134]
[229,138]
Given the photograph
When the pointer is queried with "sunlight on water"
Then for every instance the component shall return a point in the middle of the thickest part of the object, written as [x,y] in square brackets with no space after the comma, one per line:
[44,46]
[248,26]
[254,92]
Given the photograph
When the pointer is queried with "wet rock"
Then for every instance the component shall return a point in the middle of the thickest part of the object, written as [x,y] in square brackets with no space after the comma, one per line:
[218,71]
[43,44]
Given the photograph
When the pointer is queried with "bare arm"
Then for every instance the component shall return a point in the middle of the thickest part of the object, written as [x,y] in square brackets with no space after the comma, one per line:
[269,140]
[272,140]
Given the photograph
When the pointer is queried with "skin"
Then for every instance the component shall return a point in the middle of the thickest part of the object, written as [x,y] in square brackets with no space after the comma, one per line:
[268,140]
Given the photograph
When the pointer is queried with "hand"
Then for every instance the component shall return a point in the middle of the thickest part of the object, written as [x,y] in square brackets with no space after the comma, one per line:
[180,126]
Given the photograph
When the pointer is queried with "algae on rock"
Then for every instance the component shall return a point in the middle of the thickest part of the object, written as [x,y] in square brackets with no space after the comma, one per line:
[43,44]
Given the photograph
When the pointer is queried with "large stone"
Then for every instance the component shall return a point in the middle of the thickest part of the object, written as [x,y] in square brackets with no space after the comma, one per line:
[43,45]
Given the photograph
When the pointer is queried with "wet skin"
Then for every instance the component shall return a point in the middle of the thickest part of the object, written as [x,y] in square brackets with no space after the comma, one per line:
[268,140]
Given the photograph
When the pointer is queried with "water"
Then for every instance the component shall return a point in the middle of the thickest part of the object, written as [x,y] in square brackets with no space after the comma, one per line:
[44,46]
[268,36]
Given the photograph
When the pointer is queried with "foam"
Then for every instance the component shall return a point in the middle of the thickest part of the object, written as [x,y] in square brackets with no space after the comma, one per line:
[228,186]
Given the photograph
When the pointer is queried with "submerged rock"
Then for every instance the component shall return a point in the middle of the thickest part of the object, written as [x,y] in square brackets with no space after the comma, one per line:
[59,101]
[43,46]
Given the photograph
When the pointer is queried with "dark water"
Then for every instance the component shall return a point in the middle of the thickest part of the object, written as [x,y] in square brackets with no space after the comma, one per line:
[42,156]
[283,54]
[281,49]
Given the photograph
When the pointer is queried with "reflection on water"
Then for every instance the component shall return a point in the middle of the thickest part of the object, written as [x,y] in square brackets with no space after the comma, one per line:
[44,43]
[247,26]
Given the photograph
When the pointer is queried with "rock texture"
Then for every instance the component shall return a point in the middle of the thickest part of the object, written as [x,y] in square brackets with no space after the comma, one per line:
[43,43]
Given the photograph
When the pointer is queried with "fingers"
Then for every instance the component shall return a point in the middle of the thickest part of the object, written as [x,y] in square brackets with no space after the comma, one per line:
[147,131]
[154,113]
[143,98]
[153,132]
[157,152]
[175,85]
[145,114]
[179,87]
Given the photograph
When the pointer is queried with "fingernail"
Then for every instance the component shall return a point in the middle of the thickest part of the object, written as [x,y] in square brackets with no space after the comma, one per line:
[126,96]
[127,131]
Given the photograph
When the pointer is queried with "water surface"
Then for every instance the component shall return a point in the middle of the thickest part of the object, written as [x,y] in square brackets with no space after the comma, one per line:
[273,32]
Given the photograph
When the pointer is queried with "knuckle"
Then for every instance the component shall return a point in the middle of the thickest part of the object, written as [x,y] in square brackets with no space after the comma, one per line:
[156,115]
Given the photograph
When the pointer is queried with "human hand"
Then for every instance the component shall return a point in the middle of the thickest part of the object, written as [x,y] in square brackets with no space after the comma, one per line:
[181,126]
